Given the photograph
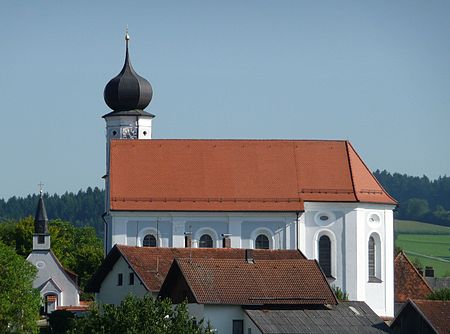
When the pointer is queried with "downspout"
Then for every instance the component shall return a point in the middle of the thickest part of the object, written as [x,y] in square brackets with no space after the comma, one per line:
[105,234]
[297,232]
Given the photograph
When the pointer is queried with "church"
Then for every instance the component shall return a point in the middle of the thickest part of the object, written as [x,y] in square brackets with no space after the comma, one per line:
[315,196]
[57,286]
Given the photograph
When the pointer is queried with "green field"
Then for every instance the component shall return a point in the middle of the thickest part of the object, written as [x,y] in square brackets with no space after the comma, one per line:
[427,243]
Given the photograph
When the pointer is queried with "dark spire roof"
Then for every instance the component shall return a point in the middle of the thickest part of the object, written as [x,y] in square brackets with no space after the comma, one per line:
[41,220]
[128,90]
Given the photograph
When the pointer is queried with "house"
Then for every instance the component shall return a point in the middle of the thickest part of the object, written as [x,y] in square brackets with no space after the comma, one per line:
[346,317]
[409,283]
[424,317]
[57,285]
[261,296]
[316,196]
[142,270]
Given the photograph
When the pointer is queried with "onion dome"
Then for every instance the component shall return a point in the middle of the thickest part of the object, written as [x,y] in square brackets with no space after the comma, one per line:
[40,219]
[128,90]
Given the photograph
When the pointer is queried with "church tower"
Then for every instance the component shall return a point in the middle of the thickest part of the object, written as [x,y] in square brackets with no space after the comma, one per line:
[41,236]
[127,94]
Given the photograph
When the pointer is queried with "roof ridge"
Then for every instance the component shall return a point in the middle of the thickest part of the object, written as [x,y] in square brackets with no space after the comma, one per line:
[347,143]
[371,174]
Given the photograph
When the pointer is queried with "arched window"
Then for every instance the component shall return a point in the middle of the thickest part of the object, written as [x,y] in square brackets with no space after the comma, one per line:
[325,255]
[205,241]
[372,252]
[262,242]
[149,241]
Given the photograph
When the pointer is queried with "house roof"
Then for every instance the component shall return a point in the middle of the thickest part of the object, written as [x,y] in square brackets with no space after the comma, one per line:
[237,175]
[435,312]
[238,282]
[151,264]
[346,317]
[408,283]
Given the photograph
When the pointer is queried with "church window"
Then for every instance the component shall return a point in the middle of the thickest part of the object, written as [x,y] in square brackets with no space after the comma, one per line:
[325,255]
[145,133]
[131,279]
[149,241]
[205,241]
[41,239]
[374,258]
[119,279]
[262,242]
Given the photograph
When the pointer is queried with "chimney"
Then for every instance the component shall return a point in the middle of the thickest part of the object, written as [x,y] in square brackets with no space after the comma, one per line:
[249,256]
[188,239]
[226,241]
[429,272]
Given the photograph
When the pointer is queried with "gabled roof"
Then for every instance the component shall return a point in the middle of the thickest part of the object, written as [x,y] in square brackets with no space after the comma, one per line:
[408,283]
[238,282]
[151,264]
[435,312]
[346,317]
[237,175]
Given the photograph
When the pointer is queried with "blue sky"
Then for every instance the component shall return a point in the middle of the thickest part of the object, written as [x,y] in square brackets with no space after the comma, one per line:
[374,72]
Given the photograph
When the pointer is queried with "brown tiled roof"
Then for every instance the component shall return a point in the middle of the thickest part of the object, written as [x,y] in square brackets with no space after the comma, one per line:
[237,175]
[237,282]
[437,312]
[408,283]
[151,264]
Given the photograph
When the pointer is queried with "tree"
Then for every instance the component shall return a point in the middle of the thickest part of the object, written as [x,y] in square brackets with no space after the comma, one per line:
[138,316]
[442,294]
[78,249]
[19,302]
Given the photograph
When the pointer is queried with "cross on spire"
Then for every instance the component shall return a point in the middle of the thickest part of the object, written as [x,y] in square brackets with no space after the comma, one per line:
[40,184]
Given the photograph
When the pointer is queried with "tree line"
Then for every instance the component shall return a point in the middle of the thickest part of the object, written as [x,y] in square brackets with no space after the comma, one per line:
[419,199]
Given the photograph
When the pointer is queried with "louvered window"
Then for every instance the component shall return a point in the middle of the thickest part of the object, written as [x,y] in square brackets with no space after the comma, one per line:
[205,241]
[262,242]
[149,241]
[371,258]
[325,255]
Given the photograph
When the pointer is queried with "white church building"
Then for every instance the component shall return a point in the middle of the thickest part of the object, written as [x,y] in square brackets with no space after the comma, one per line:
[317,196]
[57,286]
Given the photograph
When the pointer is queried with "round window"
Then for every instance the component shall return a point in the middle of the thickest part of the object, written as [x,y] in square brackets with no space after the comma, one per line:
[324,218]
[374,219]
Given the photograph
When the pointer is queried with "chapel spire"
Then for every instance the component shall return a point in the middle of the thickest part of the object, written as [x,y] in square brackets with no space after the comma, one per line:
[128,90]
[41,236]
[41,219]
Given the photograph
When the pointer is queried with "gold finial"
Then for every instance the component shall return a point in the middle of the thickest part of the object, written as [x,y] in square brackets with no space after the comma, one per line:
[40,187]
[127,37]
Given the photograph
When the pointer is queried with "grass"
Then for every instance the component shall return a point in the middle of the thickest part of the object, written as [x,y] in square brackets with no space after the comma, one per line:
[414,227]
[427,244]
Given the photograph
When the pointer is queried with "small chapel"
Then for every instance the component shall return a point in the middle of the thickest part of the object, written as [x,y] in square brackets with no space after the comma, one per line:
[57,286]
[313,196]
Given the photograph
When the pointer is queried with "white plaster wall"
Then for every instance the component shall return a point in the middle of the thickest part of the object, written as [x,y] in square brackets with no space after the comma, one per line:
[128,228]
[48,268]
[249,326]
[111,293]
[221,317]
[349,231]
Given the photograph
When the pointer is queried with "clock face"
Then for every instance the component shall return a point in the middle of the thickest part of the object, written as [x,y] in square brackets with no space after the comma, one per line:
[129,133]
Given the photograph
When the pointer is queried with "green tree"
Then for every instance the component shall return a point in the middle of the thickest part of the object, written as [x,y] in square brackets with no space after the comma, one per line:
[441,294]
[19,302]
[78,249]
[138,316]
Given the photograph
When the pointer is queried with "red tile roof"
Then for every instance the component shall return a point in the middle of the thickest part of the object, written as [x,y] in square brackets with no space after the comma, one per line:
[237,282]
[151,264]
[408,283]
[437,312]
[237,175]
